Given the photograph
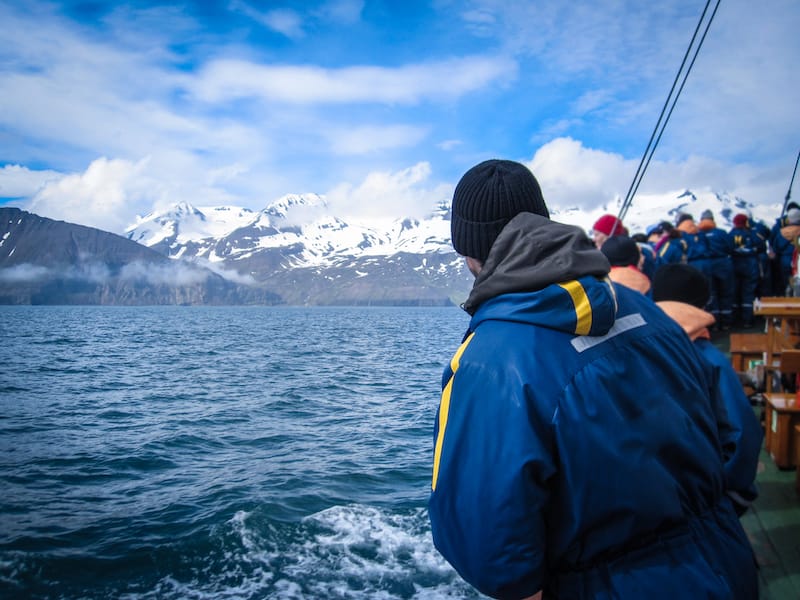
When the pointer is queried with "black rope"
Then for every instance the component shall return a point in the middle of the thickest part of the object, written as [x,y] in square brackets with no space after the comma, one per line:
[791,183]
[658,131]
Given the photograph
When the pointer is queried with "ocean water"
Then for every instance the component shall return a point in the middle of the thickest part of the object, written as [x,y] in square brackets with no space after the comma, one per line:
[220,452]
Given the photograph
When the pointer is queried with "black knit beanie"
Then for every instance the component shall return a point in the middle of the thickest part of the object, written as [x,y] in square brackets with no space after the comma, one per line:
[681,283]
[621,251]
[488,196]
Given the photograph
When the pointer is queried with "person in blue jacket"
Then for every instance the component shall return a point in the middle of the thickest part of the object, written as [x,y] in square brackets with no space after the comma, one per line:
[670,247]
[682,292]
[719,269]
[765,256]
[746,269]
[697,253]
[576,447]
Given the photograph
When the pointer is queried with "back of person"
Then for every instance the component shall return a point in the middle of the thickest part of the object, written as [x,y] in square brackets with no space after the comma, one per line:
[576,448]
[627,458]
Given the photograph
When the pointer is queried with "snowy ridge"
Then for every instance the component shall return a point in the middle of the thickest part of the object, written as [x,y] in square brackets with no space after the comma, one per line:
[183,223]
[299,225]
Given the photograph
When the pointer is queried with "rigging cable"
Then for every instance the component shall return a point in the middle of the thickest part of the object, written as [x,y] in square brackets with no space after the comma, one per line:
[791,183]
[655,137]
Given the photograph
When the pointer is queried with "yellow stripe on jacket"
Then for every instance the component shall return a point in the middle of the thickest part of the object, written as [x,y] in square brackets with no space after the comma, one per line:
[444,409]
[583,308]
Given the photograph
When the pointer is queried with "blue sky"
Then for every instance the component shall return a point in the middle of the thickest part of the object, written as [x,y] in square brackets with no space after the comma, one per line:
[110,110]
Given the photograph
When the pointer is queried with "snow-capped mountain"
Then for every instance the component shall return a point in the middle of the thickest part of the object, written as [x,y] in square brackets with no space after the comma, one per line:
[296,239]
[298,225]
[298,248]
[184,223]
[650,210]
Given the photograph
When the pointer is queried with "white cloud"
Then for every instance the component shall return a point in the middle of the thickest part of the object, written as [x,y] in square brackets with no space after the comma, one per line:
[102,197]
[284,21]
[345,12]
[572,175]
[17,181]
[388,195]
[228,79]
[287,22]
[448,145]
[366,139]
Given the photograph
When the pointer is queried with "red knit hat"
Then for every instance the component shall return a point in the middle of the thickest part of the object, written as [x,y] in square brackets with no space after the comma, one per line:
[740,220]
[607,223]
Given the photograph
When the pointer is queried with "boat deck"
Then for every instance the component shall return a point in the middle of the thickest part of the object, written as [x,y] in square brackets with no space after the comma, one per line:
[773,522]
[773,526]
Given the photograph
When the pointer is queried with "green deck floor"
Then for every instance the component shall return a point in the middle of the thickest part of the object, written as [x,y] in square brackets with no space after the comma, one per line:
[773,526]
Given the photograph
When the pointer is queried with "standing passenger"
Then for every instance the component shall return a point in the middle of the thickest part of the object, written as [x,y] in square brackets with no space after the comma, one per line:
[720,269]
[682,291]
[670,247]
[696,248]
[765,256]
[576,447]
[605,227]
[745,269]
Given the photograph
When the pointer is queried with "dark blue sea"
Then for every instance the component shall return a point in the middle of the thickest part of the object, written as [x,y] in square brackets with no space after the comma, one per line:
[205,452]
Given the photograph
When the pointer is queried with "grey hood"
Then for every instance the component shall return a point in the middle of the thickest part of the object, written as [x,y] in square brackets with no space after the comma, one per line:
[531,253]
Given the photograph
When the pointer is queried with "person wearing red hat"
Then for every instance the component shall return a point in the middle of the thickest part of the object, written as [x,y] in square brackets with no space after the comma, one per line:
[745,269]
[605,227]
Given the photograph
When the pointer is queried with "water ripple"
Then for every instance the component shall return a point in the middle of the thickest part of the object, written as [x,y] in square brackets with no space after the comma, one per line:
[200,452]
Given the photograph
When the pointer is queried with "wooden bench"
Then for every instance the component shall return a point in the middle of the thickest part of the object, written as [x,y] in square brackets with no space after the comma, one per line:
[745,347]
[782,415]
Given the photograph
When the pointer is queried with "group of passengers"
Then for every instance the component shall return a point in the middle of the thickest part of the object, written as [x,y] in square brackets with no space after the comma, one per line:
[748,261]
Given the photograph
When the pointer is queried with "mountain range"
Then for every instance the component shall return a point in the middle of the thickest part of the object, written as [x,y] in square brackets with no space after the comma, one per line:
[294,251]
[43,261]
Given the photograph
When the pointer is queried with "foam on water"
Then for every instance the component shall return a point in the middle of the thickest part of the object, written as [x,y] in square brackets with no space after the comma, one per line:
[350,551]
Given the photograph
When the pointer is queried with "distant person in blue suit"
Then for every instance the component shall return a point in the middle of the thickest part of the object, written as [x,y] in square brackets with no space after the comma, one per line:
[720,269]
[682,292]
[765,256]
[746,268]
[577,449]
[649,259]
[668,244]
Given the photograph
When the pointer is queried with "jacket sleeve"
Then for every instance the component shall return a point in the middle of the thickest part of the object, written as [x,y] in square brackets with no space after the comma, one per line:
[740,432]
[491,468]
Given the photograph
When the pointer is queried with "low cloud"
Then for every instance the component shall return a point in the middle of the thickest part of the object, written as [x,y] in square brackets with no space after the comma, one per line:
[170,274]
[229,274]
[25,273]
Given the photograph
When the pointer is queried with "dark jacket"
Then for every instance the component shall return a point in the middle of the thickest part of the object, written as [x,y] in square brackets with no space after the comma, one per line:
[576,446]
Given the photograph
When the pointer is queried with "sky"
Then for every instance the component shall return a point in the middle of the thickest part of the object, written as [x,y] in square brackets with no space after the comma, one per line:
[112,110]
